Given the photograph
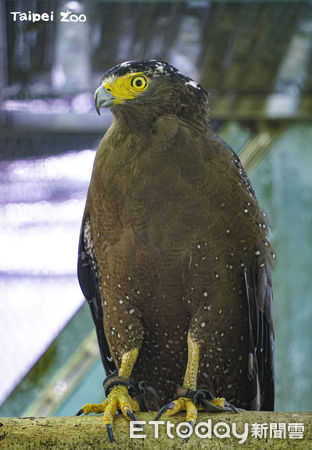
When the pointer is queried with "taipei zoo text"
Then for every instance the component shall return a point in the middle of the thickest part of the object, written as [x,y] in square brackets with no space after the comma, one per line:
[64,16]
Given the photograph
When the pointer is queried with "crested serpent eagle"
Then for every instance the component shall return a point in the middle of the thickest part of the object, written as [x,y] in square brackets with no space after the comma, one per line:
[174,258]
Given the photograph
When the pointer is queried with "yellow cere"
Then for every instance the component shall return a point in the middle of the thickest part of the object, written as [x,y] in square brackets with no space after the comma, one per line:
[126,87]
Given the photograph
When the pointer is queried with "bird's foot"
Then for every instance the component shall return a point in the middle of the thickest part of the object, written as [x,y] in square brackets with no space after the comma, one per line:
[193,401]
[201,397]
[117,399]
[178,405]
[205,399]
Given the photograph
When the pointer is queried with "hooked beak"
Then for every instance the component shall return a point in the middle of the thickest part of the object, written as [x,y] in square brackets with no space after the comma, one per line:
[102,98]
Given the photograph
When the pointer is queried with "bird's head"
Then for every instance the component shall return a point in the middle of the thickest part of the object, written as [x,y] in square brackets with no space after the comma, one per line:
[152,86]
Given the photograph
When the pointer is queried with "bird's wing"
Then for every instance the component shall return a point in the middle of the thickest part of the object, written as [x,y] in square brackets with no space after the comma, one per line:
[89,283]
[258,285]
[259,294]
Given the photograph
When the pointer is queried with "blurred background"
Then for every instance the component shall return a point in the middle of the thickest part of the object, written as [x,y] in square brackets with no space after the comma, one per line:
[254,58]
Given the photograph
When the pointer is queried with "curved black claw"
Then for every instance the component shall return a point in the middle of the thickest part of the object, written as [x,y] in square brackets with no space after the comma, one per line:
[210,407]
[131,415]
[110,433]
[191,423]
[233,408]
[163,409]
[79,412]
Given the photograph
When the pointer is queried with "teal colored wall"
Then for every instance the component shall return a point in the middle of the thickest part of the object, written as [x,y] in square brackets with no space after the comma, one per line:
[283,183]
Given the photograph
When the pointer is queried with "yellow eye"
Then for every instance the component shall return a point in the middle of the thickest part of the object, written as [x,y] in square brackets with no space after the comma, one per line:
[139,83]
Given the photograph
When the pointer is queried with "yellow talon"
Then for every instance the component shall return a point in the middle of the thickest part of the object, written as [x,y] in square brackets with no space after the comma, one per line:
[118,398]
[184,404]
[96,408]
[218,401]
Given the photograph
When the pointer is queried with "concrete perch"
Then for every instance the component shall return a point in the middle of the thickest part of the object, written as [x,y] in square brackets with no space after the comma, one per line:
[88,432]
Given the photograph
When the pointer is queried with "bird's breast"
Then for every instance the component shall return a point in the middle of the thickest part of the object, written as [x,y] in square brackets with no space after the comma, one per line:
[167,202]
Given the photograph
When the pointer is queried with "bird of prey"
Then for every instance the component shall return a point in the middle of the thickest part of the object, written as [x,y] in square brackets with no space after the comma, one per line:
[174,257]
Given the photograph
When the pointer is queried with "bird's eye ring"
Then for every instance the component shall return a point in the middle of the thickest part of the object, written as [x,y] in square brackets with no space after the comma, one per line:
[139,83]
